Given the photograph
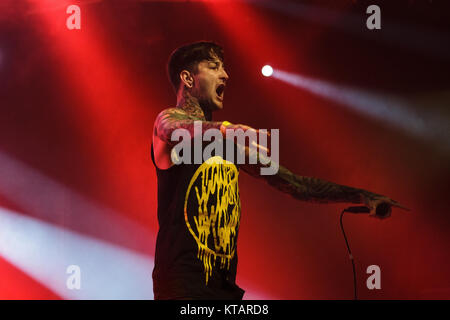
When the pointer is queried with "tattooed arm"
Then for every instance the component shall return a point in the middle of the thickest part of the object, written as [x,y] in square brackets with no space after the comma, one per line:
[176,118]
[308,188]
[314,189]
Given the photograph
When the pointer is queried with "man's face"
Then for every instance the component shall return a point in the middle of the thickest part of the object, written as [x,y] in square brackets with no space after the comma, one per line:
[209,83]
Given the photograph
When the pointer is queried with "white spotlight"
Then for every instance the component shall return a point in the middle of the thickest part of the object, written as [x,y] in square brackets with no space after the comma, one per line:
[267,71]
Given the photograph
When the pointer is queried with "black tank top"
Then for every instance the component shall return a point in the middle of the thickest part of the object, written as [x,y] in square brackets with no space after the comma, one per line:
[196,247]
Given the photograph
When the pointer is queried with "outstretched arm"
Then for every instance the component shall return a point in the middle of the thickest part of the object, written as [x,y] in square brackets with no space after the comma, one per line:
[313,189]
[308,188]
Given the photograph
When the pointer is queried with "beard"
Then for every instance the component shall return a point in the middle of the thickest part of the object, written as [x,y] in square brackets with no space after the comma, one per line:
[205,100]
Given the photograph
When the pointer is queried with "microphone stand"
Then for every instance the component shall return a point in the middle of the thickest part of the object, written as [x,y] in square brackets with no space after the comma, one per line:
[382,210]
[349,254]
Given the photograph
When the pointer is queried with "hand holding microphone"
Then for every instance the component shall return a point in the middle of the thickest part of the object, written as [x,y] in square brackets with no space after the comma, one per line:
[377,206]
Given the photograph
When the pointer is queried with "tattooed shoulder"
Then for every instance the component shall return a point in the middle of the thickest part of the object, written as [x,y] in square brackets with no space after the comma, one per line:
[169,114]
[170,119]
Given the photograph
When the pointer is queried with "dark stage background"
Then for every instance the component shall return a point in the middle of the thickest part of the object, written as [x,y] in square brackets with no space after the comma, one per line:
[77,185]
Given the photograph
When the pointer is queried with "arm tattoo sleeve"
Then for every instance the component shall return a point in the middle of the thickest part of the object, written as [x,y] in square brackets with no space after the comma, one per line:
[174,118]
[309,188]
[313,189]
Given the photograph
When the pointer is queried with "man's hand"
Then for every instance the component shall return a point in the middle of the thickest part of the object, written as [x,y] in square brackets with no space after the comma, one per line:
[374,201]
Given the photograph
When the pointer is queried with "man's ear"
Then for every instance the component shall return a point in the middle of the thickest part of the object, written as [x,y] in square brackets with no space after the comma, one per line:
[186,78]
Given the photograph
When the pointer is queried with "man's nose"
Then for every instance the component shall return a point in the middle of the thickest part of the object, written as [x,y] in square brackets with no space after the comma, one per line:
[224,75]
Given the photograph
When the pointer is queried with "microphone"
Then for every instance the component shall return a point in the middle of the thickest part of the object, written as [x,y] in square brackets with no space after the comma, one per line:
[382,210]
[357,209]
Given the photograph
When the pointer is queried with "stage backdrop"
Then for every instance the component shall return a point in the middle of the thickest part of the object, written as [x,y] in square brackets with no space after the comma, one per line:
[362,107]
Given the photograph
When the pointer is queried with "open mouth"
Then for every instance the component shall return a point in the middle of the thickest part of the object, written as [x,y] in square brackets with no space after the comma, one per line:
[220,90]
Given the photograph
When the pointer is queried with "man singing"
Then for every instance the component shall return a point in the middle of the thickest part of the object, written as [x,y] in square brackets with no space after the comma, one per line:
[198,203]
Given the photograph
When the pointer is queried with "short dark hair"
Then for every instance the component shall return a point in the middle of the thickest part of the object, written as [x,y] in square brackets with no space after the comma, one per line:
[188,56]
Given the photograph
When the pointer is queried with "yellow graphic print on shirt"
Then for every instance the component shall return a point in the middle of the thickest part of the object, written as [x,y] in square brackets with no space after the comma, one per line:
[214,191]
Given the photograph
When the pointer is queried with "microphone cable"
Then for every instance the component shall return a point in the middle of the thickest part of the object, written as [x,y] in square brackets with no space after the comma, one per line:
[349,254]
